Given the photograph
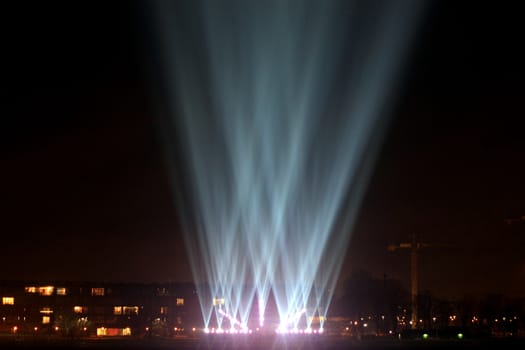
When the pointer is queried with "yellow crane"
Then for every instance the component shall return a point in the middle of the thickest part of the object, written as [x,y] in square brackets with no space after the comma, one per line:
[414,247]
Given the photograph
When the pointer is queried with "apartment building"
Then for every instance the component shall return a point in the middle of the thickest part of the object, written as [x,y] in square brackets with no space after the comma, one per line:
[98,308]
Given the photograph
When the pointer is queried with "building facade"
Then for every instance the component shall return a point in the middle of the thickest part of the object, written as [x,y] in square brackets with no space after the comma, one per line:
[101,309]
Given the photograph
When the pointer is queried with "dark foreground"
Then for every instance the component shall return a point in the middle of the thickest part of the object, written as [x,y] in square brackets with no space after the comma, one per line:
[275,343]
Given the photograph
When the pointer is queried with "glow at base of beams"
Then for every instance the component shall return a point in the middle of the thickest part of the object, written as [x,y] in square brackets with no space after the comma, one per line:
[280,108]
[246,331]
[291,321]
[234,322]
[261,312]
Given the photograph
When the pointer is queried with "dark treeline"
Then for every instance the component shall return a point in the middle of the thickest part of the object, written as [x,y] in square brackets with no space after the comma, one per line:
[384,303]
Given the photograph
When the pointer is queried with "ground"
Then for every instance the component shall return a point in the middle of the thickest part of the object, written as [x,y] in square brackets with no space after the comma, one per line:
[275,343]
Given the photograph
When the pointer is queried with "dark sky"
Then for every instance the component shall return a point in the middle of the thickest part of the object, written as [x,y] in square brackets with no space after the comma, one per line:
[85,193]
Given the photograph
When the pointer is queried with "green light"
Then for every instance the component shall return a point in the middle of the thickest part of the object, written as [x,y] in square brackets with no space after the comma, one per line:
[460,335]
[425,335]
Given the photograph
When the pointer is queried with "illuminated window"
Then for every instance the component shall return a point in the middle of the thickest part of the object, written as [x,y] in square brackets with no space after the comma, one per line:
[46,310]
[8,300]
[217,301]
[97,291]
[130,310]
[117,310]
[61,291]
[80,309]
[46,319]
[46,290]
[102,331]
[112,332]
[180,301]
[30,289]
[163,310]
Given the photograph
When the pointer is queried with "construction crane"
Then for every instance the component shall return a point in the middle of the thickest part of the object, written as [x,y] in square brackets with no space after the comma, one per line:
[414,247]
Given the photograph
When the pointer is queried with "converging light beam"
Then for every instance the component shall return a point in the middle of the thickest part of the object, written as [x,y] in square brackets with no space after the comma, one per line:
[279,107]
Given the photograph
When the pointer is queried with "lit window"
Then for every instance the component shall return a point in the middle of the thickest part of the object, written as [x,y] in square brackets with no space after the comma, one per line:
[130,310]
[163,310]
[217,301]
[30,289]
[46,319]
[180,301]
[61,291]
[117,310]
[46,290]
[46,310]
[126,331]
[97,291]
[102,331]
[8,300]
[80,309]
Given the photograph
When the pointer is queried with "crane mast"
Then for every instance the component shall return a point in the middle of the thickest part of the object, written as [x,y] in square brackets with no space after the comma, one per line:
[414,247]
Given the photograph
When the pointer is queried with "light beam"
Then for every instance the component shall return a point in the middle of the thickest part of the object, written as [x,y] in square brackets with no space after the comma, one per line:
[280,107]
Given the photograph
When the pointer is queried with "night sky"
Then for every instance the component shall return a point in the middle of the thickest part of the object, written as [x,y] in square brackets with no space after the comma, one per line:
[85,193]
